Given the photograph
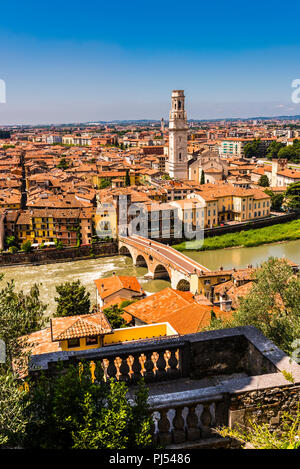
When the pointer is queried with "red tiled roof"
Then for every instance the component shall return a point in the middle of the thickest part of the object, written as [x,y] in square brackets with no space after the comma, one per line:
[79,326]
[108,286]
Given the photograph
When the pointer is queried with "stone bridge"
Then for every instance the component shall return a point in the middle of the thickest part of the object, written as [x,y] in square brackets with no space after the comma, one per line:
[162,262]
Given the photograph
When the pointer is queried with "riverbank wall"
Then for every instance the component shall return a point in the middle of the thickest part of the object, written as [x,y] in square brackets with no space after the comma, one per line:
[250,225]
[68,254]
[235,228]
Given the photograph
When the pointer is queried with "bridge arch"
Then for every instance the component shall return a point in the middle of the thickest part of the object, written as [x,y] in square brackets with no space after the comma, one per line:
[141,261]
[124,251]
[161,272]
[183,285]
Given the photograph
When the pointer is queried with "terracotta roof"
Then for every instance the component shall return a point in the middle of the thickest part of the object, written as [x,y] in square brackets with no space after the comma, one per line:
[178,308]
[193,317]
[115,301]
[40,342]
[152,308]
[108,286]
[289,173]
[79,326]
[235,293]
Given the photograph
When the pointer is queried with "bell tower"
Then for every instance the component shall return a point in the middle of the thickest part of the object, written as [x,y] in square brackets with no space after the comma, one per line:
[178,130]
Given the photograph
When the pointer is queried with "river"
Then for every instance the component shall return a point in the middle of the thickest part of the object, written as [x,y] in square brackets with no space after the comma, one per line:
[87,271]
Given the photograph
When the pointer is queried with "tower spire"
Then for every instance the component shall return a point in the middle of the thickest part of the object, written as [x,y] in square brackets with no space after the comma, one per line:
[178,130]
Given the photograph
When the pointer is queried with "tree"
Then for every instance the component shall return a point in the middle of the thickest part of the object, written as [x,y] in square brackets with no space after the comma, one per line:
[127,178]
[254,149]
[20,314]
[78,409]
[292,196]
[273,150]
[273,304]
[12,409]
[26,246]
[10,241]
[4,134]
[119,425]
[276,200]
[104,183]
[202,180]
[72,299]
[114,316]
[291,152]
[264,181]
[58,244]
[63,164]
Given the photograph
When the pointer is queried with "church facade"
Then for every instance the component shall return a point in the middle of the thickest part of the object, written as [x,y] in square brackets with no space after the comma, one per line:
[209,162]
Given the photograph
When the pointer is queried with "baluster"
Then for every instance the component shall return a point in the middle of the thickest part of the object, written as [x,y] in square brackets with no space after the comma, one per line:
[193,432]
[152,430]
[164,436]
[142,360]
[161,366]
[177,355]
[167,356]
[221,414]
[149,366]
[124,370]
[172,371]
[130,362]
[118,363]
[206,420]
[154,359]
[111,369]
[136,368]
[105,364]
[178,423]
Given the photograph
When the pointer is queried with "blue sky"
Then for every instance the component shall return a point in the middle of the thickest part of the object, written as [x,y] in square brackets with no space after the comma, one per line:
[75,61]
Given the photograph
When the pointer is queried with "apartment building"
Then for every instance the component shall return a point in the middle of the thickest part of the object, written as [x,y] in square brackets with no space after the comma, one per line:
[234,147]
[46,226]
[226,203]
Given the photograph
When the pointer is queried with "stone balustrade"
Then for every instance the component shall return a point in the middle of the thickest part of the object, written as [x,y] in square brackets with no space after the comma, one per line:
[161,363]
[190,419]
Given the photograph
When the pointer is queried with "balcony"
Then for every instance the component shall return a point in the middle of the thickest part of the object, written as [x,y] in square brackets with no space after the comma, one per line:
[197,382]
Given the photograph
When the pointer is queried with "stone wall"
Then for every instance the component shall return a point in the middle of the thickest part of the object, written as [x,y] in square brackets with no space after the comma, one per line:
[264,406]
[49,256]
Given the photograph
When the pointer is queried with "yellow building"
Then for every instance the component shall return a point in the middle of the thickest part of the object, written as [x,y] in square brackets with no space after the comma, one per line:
[224,202]
[201,283]
[89,331]
[105,219]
